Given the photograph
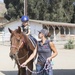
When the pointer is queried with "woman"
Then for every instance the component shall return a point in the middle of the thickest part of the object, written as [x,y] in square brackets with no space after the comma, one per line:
[44,49]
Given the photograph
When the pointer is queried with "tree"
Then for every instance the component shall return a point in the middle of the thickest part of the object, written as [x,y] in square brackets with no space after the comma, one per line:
[62,10]
[14,9]
[50,10]
[37,9]
[73,17]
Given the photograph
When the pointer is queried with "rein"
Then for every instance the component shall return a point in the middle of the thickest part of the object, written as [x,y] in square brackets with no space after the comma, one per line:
[18,59]
[16,54]
[46,67]
[23,56]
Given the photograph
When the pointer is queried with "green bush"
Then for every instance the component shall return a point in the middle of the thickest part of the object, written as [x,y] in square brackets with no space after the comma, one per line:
[69,45]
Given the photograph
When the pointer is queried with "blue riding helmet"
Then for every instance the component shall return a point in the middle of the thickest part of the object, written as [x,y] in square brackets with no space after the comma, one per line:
[24,18]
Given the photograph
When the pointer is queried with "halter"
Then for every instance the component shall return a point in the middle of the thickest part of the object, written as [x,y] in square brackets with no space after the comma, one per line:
[13,46]
[16,54]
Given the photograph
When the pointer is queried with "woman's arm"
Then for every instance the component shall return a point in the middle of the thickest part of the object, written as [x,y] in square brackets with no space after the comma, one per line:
[53,48]
[30,58]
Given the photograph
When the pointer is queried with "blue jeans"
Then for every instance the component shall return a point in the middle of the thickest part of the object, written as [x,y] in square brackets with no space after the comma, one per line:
[44,72]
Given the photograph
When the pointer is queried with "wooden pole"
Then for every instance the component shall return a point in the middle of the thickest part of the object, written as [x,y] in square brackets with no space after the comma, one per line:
[25,7]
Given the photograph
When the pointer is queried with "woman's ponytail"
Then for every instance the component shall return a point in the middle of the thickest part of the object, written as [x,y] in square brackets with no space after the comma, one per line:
[48,34]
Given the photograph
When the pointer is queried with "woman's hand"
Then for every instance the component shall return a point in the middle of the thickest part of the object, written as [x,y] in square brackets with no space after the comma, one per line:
[30,58]
[23,64]
[49,59]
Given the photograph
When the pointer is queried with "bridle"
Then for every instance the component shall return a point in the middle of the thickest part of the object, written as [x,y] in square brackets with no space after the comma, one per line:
[16,54]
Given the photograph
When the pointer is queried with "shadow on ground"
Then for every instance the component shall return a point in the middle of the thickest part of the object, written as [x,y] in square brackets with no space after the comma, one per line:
[64,72]
[56,72]
[9,72]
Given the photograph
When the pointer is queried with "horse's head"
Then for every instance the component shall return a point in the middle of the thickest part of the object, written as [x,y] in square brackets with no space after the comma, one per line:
[17,41]
[21,48]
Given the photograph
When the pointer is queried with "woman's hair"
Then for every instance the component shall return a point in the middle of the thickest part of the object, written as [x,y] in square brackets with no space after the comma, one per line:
[48,35]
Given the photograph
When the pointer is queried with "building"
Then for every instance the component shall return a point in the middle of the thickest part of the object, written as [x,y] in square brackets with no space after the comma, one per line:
[59,31]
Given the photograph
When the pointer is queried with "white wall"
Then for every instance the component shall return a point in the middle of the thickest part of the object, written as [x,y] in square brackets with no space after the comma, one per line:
[13,26]
[72,31]
[35,27]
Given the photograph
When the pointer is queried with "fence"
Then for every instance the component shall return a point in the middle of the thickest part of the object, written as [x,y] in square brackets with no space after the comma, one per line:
[60,40]
[4,40]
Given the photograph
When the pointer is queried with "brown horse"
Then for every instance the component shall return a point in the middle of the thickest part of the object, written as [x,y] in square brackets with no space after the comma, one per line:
[21,48]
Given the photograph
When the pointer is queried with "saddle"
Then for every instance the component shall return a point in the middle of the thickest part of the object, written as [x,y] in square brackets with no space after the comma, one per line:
[33,40]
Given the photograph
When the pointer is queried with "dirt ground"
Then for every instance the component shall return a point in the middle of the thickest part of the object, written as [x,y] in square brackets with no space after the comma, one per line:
[64,63]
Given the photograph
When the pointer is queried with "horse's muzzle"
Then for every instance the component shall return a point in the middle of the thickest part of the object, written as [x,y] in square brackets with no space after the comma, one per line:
[12,56]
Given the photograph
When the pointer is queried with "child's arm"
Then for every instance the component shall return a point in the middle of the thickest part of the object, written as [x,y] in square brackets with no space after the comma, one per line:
[28,30]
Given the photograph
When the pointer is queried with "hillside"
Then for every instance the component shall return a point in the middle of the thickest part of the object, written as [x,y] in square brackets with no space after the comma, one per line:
[2,9]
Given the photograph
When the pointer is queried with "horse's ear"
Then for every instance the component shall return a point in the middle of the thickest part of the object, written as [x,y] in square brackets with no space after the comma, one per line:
[10,30]
[19,29]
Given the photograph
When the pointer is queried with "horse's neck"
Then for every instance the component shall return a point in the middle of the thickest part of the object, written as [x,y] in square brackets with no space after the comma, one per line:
[30,45]
[28,42]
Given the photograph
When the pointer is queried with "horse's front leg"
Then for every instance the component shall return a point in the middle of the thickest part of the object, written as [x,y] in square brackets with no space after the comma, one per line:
[18,71]
[30,66]
[22,71]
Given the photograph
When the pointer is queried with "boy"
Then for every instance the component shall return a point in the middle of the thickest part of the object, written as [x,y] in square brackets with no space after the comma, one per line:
[26,29]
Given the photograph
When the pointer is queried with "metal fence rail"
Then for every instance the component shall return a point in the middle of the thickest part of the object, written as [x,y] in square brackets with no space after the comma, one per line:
[5,43]
[5,39]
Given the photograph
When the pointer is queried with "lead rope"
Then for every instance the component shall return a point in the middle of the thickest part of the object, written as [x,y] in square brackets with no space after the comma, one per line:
[47,66]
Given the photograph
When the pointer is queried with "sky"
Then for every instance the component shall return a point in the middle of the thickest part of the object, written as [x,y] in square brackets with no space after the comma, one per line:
[1,0]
